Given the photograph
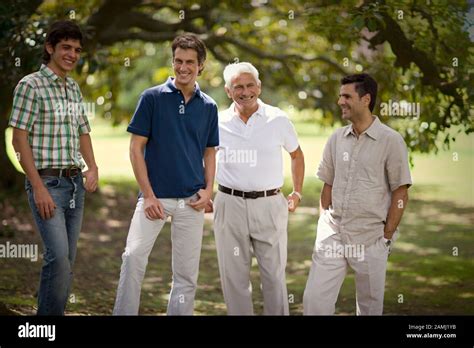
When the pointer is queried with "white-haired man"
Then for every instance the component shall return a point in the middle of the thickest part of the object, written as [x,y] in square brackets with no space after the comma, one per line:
[250,212]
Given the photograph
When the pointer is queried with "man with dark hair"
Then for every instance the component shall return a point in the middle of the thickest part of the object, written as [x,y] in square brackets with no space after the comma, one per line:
[61,30]
[366,177]
[172,150]
[51,137]
[363,84]
[191,42]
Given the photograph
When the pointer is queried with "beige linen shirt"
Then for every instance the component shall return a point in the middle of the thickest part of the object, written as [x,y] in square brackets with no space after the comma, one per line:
[363,172]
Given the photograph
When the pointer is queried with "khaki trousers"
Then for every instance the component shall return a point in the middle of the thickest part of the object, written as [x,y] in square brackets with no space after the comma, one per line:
[241,225]
[329,269]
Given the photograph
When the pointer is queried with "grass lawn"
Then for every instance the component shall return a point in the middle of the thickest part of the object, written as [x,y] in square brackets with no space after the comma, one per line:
[430,271]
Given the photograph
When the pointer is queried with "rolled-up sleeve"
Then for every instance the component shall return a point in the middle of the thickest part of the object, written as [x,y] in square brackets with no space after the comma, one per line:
[326,166]
[396,167]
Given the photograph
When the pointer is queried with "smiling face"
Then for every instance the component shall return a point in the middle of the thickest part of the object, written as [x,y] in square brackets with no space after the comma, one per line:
[244,91]
[351,104]
[186,67]
[64,56]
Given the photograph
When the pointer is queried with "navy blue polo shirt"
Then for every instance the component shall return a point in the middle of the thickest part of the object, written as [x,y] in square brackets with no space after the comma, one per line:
[178,134]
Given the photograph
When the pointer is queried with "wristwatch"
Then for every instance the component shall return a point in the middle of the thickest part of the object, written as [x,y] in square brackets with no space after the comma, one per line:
[300,196]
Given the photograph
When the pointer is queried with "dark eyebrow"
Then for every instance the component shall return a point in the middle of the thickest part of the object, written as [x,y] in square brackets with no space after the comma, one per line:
[344,95]
[69,46]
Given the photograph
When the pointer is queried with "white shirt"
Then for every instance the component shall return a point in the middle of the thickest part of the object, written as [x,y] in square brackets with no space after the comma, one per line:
[249,156]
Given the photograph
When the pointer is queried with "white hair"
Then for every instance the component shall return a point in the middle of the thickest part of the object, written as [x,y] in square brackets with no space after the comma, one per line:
[235,69]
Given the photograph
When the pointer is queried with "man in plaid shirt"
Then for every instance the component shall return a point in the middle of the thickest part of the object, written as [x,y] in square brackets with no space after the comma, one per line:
[51,137]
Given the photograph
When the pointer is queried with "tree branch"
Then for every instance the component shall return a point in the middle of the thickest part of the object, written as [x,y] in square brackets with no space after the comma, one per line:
[406,53]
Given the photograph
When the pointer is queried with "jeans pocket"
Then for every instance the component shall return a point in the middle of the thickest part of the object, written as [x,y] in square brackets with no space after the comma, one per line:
[51,182]
[80,178]
[27,185]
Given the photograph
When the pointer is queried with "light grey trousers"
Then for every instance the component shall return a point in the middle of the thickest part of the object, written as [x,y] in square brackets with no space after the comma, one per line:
[239,225]
[186,237]
[329,269]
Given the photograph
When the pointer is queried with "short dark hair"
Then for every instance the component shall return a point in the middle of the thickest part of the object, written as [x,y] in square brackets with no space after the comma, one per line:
[191,41]
[364,83]
[60,30]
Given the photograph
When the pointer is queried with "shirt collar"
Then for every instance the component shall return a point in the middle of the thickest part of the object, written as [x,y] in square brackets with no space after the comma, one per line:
[170,87]
[373,131]
[260,111]
[49,73]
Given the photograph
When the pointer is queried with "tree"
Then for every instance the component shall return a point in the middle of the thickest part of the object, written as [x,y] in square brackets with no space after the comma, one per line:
[418,53]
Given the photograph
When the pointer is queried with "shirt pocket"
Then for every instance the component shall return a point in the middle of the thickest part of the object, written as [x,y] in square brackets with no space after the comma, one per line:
[367,177]
[369,201]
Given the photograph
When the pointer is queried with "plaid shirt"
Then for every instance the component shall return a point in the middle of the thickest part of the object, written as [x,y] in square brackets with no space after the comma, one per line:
[54,117]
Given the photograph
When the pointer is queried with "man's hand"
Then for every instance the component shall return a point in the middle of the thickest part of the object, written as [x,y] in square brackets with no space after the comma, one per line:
[44,202]
[202,202]
[92,177]
[153,208]
[209,208]
[293,201]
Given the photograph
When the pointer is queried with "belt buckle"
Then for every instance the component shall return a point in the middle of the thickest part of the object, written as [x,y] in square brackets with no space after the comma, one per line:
[71,169]
[252,195]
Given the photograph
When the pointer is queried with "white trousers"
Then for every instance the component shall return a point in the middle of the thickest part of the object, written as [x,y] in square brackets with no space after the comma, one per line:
[186,237]
[239,225]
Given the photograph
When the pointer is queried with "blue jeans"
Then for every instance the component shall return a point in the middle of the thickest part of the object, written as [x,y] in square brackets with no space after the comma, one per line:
[59,234]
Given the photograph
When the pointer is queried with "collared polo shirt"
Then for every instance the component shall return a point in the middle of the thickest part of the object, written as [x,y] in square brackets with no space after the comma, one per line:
[178,134]
[249,154]
[54,117]
[363,173]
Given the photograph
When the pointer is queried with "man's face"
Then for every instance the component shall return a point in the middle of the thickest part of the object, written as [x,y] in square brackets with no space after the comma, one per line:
[65,55]
[244,90]
[351,104]
[186,67]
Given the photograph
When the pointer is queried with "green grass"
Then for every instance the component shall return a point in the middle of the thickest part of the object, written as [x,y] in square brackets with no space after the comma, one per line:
[422,268]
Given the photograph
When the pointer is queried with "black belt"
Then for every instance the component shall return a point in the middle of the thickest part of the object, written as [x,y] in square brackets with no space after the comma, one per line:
[66,172]
[251,194]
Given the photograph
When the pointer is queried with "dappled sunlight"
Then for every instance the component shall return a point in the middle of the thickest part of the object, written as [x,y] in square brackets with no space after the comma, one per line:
[415,249]
[421,266]
[202,307]
[439,281]
[150,283]
[112,223]
[466,295]
[306,264]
